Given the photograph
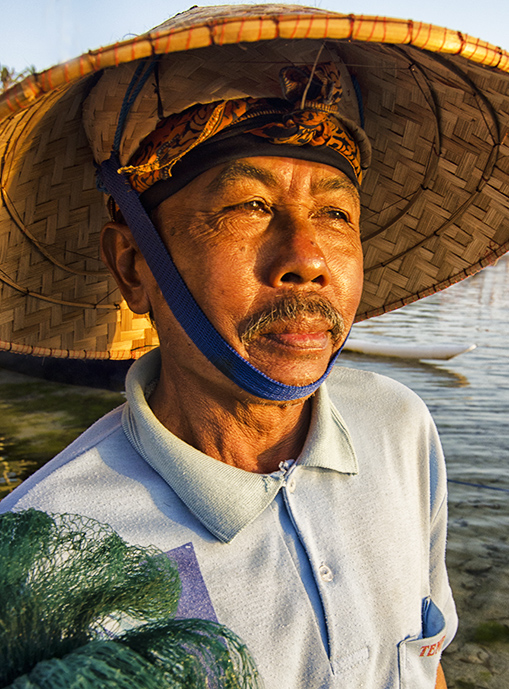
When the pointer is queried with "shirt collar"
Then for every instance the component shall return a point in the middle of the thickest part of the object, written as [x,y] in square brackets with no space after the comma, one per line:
[224,498]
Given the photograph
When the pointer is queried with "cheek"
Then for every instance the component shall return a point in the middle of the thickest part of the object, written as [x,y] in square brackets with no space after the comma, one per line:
[220,278]
[229,275]
[348,277]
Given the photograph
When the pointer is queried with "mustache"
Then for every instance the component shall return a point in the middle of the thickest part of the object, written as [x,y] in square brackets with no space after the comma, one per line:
[291,308]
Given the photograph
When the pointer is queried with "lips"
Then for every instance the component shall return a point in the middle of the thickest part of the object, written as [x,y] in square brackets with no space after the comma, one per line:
[302,333]
[296,322]
[298,340]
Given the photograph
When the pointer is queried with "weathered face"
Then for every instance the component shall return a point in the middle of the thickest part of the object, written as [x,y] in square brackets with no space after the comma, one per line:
[256,233]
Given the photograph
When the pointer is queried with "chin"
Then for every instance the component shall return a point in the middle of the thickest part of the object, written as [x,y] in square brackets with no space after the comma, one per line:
[296,375]
[291,367]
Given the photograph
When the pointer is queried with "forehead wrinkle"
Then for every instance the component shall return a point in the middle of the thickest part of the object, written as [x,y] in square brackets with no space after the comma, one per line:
[334,183]
[237,170]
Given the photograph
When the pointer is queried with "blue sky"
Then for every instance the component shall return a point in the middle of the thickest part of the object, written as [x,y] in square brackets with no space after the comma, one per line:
[44,32]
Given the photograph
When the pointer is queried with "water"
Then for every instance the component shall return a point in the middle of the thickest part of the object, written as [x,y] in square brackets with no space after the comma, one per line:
[39,418]
[469,399]
[468,395]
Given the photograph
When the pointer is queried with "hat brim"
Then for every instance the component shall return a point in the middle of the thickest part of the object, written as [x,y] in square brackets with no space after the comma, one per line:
[435,199]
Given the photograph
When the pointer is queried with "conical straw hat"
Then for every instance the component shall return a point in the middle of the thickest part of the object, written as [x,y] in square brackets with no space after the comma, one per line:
[435,199]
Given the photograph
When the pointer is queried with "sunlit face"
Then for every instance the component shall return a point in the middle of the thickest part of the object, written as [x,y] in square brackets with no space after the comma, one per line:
[256,233]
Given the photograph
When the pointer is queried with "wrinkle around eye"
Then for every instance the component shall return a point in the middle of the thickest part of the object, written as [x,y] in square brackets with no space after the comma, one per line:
[232,221]
[254,206]
[202,225]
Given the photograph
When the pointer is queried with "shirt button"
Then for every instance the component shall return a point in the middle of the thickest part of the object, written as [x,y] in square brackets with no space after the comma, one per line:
[292,484]
[325,573]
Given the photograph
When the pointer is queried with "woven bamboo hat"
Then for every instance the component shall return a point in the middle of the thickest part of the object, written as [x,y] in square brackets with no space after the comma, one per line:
[435,107]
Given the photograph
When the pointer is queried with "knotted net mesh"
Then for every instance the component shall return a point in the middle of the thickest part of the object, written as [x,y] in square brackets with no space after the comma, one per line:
[81,608]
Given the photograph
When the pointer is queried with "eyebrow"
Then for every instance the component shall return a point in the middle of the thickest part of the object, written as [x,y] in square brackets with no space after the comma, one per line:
[238,170]
[334,184]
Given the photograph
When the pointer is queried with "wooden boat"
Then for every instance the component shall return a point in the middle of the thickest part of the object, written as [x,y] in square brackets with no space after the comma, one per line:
[407,351]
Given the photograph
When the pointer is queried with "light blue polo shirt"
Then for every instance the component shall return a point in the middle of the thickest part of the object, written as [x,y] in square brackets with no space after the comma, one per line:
[331,570]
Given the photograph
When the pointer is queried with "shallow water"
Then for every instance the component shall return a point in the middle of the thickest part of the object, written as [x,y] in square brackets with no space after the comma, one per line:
[468,395]
[469,399]
[39,418]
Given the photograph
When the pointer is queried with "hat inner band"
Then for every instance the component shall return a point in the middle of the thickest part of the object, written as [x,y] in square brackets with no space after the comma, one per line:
[223,149]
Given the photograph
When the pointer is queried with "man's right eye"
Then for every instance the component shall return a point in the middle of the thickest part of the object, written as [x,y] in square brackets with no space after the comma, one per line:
[255,205]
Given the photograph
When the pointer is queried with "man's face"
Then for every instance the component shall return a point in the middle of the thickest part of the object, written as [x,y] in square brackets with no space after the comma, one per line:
[271,251]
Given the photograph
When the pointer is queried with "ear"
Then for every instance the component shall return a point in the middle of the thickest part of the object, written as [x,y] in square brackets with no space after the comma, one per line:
[121,254]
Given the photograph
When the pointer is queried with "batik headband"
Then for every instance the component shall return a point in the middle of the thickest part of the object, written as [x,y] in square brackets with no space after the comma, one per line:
[305,124]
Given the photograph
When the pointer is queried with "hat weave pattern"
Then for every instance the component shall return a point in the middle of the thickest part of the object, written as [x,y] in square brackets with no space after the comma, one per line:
[435,199]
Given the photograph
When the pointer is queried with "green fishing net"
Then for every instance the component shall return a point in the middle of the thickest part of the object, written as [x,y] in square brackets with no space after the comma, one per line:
[81,609]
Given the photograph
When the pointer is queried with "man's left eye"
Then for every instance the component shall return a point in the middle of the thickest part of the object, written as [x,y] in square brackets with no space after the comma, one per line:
[337,214]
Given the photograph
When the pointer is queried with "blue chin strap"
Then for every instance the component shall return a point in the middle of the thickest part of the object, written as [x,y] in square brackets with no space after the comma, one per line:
[182,303]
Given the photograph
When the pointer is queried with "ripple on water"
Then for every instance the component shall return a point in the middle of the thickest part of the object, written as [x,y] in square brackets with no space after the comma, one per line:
[469,399]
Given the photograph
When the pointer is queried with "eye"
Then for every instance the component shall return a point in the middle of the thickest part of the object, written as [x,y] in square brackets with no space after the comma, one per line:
[255,205]
[336,214]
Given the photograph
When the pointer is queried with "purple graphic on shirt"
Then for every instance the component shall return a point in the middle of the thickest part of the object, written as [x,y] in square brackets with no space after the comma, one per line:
[194,600]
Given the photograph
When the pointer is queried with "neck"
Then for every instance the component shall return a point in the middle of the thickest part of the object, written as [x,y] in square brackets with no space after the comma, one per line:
[239,430]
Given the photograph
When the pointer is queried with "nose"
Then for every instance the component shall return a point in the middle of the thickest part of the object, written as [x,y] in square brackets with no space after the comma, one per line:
[298,258]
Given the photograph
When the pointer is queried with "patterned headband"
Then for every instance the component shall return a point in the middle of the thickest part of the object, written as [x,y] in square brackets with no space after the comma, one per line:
[307,117]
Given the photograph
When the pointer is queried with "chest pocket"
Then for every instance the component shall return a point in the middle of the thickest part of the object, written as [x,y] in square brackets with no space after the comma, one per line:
[419,658]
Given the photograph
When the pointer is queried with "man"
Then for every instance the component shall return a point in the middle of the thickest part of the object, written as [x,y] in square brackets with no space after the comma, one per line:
[309,518]
[270,249]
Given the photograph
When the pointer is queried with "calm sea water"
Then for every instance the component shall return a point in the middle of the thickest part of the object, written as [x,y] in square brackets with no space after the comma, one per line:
[468,395]
[469,399]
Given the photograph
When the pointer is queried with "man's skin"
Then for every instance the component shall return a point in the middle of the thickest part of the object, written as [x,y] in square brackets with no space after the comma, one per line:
[243,236]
